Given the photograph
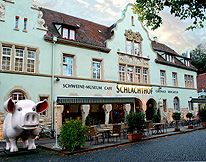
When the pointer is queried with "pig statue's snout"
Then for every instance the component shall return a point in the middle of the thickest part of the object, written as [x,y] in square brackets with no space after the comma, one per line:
[31,119]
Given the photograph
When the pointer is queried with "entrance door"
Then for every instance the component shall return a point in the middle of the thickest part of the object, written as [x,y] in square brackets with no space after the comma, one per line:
[151,104]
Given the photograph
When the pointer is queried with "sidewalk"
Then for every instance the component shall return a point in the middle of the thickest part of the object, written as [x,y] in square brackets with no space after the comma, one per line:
[92,147]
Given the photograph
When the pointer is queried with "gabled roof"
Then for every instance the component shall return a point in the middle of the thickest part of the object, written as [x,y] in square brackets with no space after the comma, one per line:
[167,50]
[87,32]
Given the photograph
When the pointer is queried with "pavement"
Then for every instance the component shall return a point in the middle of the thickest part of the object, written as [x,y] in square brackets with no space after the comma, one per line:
[50,144]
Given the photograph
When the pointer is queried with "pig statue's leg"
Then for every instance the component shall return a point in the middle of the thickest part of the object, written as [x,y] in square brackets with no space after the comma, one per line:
[13,143]
[25,142]
[31,145]
[7,144]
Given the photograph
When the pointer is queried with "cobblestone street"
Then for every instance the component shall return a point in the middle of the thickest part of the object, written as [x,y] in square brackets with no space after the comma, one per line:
[184,147]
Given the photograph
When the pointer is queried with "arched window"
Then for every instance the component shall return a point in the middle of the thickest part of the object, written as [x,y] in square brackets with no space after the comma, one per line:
[176,104]
[17,95]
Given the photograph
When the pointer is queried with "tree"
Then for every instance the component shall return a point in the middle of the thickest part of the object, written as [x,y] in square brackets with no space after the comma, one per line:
[198,58]
[148,11]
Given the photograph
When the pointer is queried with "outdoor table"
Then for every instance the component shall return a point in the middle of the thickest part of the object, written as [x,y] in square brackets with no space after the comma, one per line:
[105,132]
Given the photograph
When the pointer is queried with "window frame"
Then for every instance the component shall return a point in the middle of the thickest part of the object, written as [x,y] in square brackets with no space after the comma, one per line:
[67,65]
[19,57]
[174,80]
[176,104]
[122,73]
[162,78]
[131,48]
[6,56]
[138,74]
[164,104]
[17,93]
[16,26]
[44,113]
[31,59]
[145,75]
[130,74]
[25,24]
[96,76]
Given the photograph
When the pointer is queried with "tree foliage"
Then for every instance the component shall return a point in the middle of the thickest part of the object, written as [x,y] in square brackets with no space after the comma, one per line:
[148,11]
[198,58]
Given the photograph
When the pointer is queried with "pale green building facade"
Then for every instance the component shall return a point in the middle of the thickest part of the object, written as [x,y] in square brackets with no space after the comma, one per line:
[86,68]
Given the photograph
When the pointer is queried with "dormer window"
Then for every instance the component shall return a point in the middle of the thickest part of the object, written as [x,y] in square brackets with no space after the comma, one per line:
[187,62]
[170,58]
[66,31]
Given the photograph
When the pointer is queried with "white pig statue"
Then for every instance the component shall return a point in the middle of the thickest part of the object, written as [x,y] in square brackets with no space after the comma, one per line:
[22,121]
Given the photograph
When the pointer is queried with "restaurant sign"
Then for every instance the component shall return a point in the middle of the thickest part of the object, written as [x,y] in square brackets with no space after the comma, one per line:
[133,89]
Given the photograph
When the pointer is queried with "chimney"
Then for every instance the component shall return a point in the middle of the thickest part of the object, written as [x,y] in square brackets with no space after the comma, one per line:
[188,53]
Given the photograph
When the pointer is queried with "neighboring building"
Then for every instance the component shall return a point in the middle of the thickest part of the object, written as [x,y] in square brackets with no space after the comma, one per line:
[201,88]
[86,68]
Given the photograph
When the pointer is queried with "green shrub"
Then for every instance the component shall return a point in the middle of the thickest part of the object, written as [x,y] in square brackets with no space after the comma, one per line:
[202,114]
[156,118]
[135,121]
[73,134]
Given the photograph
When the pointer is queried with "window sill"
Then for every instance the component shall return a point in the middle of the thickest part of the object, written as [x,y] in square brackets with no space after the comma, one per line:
[16,29]
[25,31]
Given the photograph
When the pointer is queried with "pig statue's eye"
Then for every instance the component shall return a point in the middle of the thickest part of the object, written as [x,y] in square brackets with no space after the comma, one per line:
[19,109]
[33,109]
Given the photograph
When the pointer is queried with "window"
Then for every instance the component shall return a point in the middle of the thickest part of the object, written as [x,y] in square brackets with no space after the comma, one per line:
[6,58]
[25,24]
[96,69]
[136,49]
[31,57]
[42,98]
[145,75]
[19,59]
[16,96]
[165,105]
[187,62]
[176,104]
[189,83]
[138,75]
[174,79]
[169,58]
[162,77]
[129,47]
[122,73]
[68,65]
[66,31]
[130,74]
[17,22]
[133,48]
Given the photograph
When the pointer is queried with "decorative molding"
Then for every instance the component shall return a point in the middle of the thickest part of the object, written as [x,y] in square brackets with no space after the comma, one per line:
[34,5]
[133,60]
[2,10]
[130,35]
[41,22]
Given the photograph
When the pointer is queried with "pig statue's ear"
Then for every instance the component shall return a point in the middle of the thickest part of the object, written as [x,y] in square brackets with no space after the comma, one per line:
[9,105]
[41,106]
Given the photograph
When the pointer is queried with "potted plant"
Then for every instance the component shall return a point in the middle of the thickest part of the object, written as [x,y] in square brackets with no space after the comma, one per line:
[156,118]
[202,116]
[73,134]
[176,116]
[189,116]
[135,121]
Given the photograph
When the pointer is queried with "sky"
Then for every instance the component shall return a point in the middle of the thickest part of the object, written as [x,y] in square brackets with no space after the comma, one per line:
[106,12]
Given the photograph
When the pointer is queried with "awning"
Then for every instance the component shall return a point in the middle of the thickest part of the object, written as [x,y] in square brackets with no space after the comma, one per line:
[61,100]
[198,100]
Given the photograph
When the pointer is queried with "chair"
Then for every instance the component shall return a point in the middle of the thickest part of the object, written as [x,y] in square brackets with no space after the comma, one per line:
[102,126]
[123,129]
[94,134]
[146,128]
[110,126]
[116,131]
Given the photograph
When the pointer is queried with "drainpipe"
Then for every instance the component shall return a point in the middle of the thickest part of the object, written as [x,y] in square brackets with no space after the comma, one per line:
[52,82]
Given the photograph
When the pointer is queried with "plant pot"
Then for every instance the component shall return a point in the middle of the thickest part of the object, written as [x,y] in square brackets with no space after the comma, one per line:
[177,129]
[134,136]
[190,126]
[204,124]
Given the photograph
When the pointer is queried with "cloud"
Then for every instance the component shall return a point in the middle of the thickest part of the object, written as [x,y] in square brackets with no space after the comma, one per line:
[84,3]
